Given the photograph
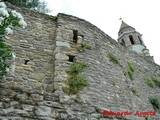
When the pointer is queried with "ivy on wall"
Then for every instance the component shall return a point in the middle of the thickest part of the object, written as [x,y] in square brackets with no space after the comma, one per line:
[8,20]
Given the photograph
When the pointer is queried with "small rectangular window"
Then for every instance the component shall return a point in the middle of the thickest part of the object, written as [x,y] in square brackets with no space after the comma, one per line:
[75,36]
[71,58]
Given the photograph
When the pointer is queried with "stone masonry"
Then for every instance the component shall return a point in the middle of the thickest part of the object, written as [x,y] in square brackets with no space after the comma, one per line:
[44,51]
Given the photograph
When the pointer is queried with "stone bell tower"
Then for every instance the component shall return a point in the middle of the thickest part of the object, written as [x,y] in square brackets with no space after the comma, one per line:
[132,40]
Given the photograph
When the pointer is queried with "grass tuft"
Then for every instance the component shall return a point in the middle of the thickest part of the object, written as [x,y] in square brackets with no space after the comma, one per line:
[131,71]
[83,47]
[156,81]
[131,74]
[131,67]
[149,82]
[155,102]
[113,58]
[76,68]
[153,81]
[76,82]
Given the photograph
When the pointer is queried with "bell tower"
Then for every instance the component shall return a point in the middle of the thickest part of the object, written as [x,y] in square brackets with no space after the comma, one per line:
[129,38]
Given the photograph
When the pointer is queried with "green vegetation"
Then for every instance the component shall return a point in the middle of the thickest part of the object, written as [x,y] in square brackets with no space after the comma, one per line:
[131,70]
[52,17]
[131,74]
[8,20]
[76,82]
[146,118]
[155,102]
[76,68]
[113,58]
[144,49]
[153,81]
[83,47]
[5,54]
[156,81]
[131,67]
[149,82]
[78,97]
[113,83]
[37,5]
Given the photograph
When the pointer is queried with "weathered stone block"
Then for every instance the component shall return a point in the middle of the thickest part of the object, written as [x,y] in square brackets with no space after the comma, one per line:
[61,56]
[57,85]
[22,97]
[44,111]
[62,44]
[80,38]
[53,104]
[64,99]
[66,34]
[38,84]
[48,52]
[37,76]
[1,104]
[37,97]
[10,84]
[46,118]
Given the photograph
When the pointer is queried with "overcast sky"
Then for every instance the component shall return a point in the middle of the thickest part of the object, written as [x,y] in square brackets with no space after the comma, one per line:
[143,15]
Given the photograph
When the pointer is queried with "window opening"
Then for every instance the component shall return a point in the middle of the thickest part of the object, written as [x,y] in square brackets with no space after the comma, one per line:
[131,39]
[122,43]
[71,58]
[75,36]
[26,61]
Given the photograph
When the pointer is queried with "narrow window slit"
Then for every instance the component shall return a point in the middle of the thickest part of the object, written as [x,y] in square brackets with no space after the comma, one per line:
[26,61]
[71,58]
[122,43]
[75,36]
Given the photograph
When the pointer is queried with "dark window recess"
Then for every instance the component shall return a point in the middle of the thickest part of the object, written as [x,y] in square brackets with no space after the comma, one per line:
[140,40]
[122,43]
[71,58]
[131,39]
[26,61]
[75,36]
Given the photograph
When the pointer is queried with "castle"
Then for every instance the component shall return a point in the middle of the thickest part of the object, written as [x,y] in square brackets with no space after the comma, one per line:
[45,50]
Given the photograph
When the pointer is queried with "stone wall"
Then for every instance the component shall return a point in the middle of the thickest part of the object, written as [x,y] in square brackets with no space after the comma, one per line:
[45,50]
[27,89]
[110,86]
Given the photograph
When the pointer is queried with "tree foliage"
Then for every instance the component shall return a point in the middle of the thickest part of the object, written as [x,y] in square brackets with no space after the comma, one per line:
[8,20]
[37,5]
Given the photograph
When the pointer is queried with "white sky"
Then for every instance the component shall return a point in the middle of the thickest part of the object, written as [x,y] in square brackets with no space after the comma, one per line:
[143,15]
